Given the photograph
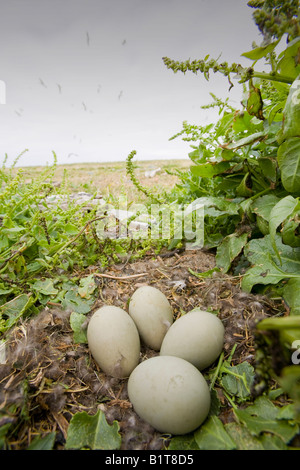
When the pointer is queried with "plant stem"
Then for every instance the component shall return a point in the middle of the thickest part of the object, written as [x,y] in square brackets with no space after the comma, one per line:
[276,77]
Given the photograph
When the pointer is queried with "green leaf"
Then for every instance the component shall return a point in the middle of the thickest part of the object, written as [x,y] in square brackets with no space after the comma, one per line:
[268,167]
[74,302]
[208,170]
[242,437]
[278,214]
[43,443]
[291,294]
[87,286]
[262,417]
[229,249]
[14,309]
[260,52]
[213,436]
[204,274]
[263,205]
[250,139]
[92,432]
[289,163]
[183,443]
[239,379]
[45,287]
[291,113]
[76,322]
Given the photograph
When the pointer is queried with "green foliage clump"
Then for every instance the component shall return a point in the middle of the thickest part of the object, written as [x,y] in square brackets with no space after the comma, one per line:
[246,171]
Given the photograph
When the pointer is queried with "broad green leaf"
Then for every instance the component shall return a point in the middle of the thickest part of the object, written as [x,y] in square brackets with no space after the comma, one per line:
[290,231]
[268,167]
[76,322]
[222,204]
[242,437]
[260,251]
[291,113]
[43,443]
[87,286]
[213,436]
[250,139]
[262,417]
[263,205]
[239,379]
[265,273]
[92,432]
[242,189]
[208,170]
[289,163]
[278,214]
[229,249]
[291,294]
[260,52]
[74,302]
[45,287]
[183,443]
[14,309]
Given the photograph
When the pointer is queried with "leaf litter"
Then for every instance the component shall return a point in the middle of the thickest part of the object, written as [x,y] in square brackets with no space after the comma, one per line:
[47,377]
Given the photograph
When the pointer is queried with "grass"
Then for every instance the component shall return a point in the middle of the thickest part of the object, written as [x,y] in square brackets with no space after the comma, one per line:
[110,178]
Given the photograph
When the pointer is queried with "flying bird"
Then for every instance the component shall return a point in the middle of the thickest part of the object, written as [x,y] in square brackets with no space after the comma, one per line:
[59,87]
[87,38]
[84,106]
[42,83]
[124,42]
[99,88]
[120,95]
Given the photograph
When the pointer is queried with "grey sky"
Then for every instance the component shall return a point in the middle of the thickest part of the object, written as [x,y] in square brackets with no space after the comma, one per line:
[85,78]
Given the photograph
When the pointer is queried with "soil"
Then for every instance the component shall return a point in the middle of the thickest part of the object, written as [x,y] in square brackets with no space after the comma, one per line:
[50,378]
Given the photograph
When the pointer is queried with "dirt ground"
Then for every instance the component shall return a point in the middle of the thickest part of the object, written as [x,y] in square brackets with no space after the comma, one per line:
[62,378]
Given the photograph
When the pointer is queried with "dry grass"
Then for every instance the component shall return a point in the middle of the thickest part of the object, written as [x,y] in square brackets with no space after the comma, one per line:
[110,179]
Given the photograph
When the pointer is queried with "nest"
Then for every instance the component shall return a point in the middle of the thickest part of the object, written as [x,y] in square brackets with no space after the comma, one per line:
[47,378]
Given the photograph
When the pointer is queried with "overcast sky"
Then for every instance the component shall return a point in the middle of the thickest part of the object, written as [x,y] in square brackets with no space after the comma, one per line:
[85,78]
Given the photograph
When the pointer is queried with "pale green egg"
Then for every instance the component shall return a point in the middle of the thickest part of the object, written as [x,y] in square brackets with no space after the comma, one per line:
[197,337]
[170,394]
[114,341]
[152,313]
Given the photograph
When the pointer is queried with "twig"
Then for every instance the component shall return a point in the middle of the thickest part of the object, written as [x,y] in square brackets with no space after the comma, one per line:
[120,278]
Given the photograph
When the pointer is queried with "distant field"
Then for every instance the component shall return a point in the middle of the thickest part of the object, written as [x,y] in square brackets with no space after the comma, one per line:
[111,178]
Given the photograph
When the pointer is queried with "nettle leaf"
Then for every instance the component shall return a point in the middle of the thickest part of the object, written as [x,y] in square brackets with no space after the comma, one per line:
[229,249]
[213,436]
[92,432]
